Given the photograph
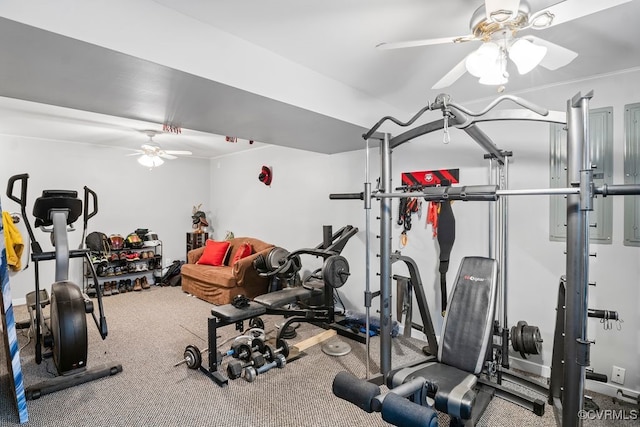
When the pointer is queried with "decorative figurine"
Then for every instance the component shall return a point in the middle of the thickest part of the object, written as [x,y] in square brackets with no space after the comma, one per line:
[199,219]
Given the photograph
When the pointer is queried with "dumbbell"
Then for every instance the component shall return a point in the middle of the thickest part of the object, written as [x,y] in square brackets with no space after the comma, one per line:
[282,348]
[243,350]
[235,367]
[250,373]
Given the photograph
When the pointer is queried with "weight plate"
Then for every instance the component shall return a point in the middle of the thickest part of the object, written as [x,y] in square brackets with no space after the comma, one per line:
[531,340]
[283,346]
[268,353]
[256,322]
[193,356]
[335,271]
[521,325]
[258,345]
[242,351]
[336,348]
[276,257]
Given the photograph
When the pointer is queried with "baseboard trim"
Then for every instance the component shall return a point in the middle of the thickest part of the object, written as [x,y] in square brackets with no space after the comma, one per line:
[530,367]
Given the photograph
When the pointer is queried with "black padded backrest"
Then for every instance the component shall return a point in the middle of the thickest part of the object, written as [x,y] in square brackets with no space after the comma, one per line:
[468,324]
[56,199]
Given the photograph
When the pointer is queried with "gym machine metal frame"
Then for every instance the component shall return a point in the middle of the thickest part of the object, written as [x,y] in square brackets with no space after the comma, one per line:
[569,399]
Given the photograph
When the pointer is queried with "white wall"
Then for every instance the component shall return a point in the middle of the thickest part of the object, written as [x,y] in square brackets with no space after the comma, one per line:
[292,211]
[129,196]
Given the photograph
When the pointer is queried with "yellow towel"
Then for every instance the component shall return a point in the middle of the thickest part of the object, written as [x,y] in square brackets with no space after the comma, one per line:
[13,242]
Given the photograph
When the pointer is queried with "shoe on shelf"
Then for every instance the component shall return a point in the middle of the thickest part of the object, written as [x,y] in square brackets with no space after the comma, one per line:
[129,285]
[114,288]
[137,286]
[144,283]
[106,289]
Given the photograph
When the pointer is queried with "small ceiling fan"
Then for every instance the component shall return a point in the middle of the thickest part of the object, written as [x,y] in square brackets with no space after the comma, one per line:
[151,155]
[496,24]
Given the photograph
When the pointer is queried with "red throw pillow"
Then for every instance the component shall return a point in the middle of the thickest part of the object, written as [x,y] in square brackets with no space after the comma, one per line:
[214,253]
[244,250]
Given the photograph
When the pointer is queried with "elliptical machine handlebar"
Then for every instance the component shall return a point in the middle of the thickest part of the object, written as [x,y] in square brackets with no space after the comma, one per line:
[22,201]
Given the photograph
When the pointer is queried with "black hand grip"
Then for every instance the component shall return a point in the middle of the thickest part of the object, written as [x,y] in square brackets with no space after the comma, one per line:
[94,197]
[596,377]
[346,196]
[23,193]
[401,412]
[352,389]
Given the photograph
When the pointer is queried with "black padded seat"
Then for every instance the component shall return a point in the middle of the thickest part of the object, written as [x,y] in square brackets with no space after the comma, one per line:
[452,389]
[467,332]
[56,200]
[287,296]
[229,313]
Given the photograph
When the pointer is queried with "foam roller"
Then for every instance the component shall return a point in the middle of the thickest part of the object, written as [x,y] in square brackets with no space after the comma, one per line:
[402,412]
[352,389]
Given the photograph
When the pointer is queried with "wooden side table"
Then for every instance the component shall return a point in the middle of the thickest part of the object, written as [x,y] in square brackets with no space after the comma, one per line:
[196,240]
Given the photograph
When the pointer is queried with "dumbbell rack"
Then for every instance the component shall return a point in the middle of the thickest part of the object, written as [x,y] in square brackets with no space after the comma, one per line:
[213,323]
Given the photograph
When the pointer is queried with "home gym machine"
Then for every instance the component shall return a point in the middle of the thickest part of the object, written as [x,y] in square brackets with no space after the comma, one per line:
[313,300]
[567,388]
[65,334]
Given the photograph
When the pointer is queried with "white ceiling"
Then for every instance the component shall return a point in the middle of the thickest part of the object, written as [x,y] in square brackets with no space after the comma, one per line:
[332,38]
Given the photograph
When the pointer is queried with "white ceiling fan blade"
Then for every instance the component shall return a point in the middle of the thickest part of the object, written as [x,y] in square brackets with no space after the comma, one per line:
[178,152]
[556,57]
[425,42]
[135,153]
[501,10]
[569,10]
[453,75]
[167,156]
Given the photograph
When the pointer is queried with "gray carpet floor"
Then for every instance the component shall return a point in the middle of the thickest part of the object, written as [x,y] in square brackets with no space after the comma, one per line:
[148,332]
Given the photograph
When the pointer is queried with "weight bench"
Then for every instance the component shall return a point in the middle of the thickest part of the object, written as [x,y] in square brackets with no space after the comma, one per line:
[320,286]
[270,303]
[451,381]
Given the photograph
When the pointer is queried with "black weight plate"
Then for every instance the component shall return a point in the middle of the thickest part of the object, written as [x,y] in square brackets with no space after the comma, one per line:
[531,339]
[283,346]
[256,322]
[193,356]
[242,351]
[519,338]
[335,271]
[258,345]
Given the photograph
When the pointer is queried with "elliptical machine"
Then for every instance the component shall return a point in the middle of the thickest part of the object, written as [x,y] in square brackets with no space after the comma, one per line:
[65,334]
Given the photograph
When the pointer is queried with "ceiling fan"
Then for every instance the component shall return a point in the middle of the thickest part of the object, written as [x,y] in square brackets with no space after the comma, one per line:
[496,24]
[151,155]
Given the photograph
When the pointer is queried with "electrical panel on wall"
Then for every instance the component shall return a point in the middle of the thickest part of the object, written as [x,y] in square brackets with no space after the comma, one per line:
[632,173]
[601,141]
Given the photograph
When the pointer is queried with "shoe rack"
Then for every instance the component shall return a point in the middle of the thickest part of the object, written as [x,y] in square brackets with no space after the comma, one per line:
[124,270]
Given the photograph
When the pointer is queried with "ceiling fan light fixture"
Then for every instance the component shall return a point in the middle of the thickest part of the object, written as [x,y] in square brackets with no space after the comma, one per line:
[495,76]
[526,55]
[150,161]
[483,59]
